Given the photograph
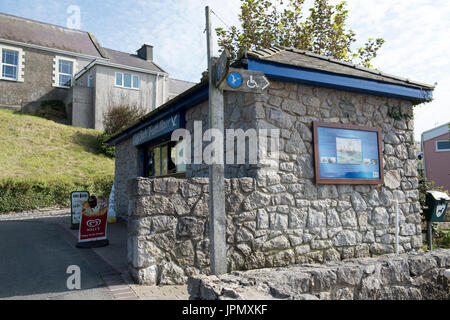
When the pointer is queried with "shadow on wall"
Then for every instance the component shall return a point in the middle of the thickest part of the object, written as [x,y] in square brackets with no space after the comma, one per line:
[51,106]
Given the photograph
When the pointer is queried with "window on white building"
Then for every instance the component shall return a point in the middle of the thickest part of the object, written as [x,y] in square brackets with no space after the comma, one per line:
[65,73]
[10,63]
[11,60]
[127,80]
[64,69]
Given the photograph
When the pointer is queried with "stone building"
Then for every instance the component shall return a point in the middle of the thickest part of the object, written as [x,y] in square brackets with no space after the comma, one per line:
[275,216]
[42,62]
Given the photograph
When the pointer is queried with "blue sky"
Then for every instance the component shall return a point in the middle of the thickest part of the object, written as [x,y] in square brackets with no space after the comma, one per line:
[417,34]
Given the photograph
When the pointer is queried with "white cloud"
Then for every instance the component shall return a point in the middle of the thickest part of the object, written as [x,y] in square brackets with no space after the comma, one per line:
[417,34]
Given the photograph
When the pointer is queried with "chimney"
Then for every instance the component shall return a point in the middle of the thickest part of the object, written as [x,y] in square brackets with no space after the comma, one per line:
[146,52]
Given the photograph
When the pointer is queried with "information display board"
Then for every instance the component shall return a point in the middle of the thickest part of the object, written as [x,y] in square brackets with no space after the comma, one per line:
[76,203]
[347,154]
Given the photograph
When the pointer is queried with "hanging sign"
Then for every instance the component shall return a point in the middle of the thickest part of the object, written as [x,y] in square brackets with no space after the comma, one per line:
[221,67]
[76,204]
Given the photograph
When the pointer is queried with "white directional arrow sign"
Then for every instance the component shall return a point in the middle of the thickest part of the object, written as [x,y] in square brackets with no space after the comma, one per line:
[245,81]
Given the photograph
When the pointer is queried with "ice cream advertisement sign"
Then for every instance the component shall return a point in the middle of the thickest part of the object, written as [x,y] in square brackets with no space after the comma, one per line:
[94,218]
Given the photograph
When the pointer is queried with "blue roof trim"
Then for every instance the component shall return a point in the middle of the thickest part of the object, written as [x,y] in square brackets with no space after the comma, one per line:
[282,72]
[194,98]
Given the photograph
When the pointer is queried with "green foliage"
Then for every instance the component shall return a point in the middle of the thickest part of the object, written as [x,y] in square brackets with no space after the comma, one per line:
[18,194]
[53,110]
[442,239]
[323,32]
[109,151]
[121,116]
[43,161]
[426,185]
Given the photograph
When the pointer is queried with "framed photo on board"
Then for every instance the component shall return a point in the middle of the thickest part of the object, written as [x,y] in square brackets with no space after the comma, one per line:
[347,154]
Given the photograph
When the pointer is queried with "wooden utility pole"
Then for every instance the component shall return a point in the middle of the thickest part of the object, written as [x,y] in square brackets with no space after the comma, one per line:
[217,217]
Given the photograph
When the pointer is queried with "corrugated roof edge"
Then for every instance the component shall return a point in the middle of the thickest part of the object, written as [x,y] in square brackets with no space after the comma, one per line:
[264,54]
[161,108]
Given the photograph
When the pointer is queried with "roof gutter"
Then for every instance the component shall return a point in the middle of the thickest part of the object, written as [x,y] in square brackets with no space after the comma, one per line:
[283,72]
[119,66]
[193,96]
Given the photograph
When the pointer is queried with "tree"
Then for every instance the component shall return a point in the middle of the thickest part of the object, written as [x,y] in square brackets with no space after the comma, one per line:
[323,32]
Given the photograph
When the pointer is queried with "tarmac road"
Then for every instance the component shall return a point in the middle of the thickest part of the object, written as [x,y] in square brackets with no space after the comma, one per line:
[34,257]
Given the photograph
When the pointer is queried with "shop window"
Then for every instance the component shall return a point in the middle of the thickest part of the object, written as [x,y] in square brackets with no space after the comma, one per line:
[161,160]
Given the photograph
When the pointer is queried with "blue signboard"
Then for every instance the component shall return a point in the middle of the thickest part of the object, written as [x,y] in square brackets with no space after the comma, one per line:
[344,153]
[234,79]
[161,127]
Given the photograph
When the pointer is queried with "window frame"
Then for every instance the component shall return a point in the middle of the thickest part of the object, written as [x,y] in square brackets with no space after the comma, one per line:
[441,150]
[57,73]
[19,67]
[132,78]
[161,145]
[90,77]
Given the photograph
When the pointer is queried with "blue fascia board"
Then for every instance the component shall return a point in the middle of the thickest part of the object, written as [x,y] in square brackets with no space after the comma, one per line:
[193,99]
[282,72]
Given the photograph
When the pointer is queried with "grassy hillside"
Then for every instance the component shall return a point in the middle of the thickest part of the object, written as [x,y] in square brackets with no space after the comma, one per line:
[42,161]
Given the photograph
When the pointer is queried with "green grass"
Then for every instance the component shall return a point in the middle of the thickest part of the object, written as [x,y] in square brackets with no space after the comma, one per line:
[39,156]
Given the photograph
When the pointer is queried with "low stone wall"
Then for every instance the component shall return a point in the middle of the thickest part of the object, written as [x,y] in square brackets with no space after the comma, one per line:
[414,276]
[168,236]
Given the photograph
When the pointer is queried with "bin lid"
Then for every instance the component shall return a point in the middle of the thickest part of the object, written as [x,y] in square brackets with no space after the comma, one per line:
[439,195]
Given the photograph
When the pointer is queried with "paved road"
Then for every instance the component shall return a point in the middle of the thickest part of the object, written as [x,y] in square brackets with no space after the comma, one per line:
[34,257]
[37,247]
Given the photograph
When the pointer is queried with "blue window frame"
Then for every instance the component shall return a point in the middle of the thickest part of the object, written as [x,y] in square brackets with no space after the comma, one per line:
[10,63]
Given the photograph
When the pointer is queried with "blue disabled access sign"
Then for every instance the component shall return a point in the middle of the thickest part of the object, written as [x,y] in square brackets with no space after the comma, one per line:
[234,79]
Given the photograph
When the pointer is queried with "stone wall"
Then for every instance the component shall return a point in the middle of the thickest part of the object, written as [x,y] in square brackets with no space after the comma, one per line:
[127,167]
[284,218]
[168,236]
[417,276]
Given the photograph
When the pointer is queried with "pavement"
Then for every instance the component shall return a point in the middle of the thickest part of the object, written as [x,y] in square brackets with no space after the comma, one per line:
[38,247]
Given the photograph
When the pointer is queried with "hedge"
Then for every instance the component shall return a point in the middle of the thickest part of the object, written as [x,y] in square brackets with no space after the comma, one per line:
[18,194]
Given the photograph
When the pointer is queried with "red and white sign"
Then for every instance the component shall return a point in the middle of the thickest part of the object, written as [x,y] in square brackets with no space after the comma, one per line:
[93,223]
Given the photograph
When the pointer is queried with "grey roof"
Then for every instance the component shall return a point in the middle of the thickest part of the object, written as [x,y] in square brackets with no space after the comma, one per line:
[305,59]
[48,35]
[131,60]
[178,86]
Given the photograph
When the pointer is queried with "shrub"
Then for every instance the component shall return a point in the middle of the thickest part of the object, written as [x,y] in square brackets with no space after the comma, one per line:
[107,150]
[25,194]
[53,110]
[121,116]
